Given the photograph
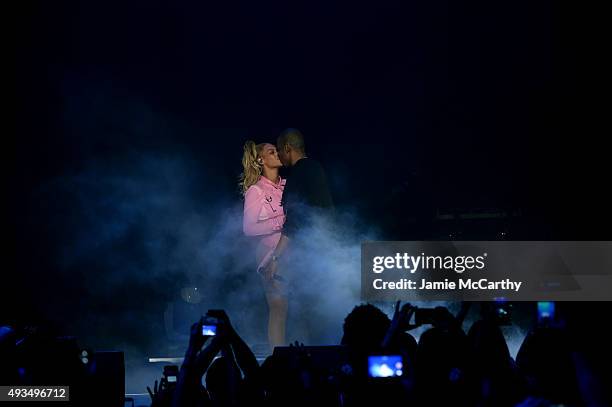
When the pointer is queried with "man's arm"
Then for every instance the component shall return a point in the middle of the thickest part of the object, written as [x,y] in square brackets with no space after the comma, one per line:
[282,245]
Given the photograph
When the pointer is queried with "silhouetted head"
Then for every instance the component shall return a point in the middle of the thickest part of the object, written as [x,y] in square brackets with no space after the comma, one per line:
[8,371]
[442,349]
[290,146]
[488,347]
[545,359]
[440,364]
[365,328]
[7,337]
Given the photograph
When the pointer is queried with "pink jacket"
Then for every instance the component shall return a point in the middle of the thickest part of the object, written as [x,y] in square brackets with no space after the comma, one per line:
[264,216]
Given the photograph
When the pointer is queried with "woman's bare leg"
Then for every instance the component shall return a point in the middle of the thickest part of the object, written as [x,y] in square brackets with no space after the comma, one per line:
[277,319]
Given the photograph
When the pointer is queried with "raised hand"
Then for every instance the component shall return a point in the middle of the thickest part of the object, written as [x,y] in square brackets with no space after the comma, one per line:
[402,316]
[161,396]
[196,339]
[465,307]
[153,393]
[399,323]
[303,363]
[224,326]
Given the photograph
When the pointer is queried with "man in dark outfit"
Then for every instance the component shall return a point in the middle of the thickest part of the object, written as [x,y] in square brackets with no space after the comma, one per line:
[305,197]
[307,193]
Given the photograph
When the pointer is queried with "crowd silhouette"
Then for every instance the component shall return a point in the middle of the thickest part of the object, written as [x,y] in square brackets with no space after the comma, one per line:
[560,363]
[447,366]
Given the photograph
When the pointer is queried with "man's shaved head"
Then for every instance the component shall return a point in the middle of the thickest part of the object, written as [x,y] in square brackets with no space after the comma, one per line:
[292,138]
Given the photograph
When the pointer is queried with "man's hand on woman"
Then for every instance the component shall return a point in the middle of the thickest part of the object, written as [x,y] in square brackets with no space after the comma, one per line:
[269,270]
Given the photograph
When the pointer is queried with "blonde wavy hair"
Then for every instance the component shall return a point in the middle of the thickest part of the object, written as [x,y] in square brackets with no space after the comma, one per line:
[251,168]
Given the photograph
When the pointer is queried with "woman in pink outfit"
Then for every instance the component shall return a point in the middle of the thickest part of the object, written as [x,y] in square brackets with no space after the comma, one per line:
[263,219]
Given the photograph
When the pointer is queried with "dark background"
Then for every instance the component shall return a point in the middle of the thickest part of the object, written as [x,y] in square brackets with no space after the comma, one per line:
[413,108]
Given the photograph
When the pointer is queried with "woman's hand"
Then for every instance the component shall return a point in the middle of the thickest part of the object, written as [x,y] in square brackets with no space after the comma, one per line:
[270,270]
